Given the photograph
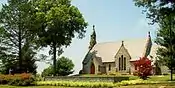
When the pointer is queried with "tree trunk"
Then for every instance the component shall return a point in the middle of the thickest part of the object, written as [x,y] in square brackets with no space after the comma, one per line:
[171,55]
[20,55]
[54,59]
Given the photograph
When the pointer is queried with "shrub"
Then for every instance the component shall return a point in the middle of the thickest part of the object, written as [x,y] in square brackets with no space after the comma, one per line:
[144,67]
[77,84]
[23,79]
[135,73]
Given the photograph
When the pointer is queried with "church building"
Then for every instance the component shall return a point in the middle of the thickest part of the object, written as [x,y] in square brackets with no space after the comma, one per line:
[104,58]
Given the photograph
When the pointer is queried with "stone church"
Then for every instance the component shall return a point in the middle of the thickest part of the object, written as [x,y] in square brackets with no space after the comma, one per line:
[104,58]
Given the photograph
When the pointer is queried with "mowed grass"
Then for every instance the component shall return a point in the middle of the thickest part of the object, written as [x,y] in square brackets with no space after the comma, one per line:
[161,78]
[7,86]
[165,85]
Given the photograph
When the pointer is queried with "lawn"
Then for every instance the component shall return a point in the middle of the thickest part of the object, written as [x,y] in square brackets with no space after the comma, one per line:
[152,82]
[6,86]
[166,85]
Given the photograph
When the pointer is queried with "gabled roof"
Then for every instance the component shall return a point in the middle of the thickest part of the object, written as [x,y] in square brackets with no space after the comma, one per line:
[122,46]
[108,50]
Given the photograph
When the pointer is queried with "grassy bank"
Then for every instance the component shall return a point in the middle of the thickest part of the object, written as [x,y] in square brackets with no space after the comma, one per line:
[133,82]
[165,85]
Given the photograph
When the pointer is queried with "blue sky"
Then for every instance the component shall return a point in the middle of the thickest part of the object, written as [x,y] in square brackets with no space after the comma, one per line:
[114,20]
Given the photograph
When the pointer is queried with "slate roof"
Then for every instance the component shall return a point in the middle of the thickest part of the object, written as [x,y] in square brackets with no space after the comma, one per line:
[108,50]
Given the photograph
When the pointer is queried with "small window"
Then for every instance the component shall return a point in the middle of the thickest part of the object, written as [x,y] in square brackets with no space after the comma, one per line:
[109,67]
[98,67]
[119,61]
[135,67]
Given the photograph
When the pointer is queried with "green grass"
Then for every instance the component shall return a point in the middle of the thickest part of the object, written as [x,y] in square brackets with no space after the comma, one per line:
[7,86]
[161,78]
[151,82]
[131,77]
[165,85]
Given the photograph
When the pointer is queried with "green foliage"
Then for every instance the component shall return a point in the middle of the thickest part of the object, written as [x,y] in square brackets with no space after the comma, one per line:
[64,67]
[17,79]
[48,71]
[157,68]
[157,10]
[161,12]
[98,84]
[136,82]
[59,22]
[164,39]
[77,84]
[17,40]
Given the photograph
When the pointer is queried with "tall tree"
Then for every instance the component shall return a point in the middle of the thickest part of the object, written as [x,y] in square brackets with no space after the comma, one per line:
[93,39]
[168,45]
[60,21]
[162,12]
[15,22]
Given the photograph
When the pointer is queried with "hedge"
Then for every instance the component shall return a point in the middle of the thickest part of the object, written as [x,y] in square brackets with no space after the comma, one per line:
[23,79]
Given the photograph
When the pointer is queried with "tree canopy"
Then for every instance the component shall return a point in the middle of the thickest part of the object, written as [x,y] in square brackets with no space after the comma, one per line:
[28,25]
[162,12]
[64,67]
[59,23]
[15,23]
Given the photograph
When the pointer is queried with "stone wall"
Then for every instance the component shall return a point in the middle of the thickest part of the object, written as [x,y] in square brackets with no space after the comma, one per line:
[91,79]
[123,51]
[113,67]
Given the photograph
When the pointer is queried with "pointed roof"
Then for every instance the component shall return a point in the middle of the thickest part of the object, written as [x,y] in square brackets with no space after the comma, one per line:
[107,51]
[148,46]
[93,39]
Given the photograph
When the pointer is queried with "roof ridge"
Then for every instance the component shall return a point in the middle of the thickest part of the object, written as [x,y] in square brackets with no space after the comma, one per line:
[120,40]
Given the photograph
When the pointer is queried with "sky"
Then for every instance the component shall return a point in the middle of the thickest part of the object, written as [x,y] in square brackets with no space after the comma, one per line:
[114,20]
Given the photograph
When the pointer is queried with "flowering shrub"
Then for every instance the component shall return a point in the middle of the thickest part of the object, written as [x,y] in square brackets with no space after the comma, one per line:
[77,84]
[135,82]
[17,79]
[144,67]
[94,84]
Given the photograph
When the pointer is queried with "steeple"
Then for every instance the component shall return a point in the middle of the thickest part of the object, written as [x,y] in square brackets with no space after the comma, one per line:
[148,46]
[93,27]
[93,38]
[122,43]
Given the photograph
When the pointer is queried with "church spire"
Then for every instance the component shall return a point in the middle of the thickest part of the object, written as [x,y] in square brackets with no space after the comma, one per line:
[93,38]
[147,46]
[122,43]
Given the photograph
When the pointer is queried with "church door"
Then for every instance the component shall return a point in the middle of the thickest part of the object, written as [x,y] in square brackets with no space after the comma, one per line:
[92,68]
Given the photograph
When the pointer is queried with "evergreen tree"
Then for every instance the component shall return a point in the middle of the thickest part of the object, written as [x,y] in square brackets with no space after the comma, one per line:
[16,23]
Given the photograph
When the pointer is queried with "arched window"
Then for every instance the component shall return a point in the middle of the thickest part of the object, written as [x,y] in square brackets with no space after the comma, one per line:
[109,67]
[124,63]
[119,61]
[98,67]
